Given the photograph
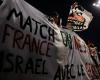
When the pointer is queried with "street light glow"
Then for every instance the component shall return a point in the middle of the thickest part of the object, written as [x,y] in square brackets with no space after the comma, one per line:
[97,4]
[94,4]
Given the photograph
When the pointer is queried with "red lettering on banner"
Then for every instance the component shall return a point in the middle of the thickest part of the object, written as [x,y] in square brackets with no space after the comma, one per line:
[77,43]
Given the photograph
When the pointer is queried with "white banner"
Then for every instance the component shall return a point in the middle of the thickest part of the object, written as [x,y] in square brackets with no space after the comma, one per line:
[31,48]
[79,17]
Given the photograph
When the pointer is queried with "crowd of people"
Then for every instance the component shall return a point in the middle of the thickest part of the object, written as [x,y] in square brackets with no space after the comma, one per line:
[93,50]
[56,20]
[95,53]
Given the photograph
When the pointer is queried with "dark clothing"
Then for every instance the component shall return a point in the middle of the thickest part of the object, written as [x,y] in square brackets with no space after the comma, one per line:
[0,2]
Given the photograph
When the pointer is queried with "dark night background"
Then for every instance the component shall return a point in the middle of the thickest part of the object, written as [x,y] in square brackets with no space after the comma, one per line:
[62,7]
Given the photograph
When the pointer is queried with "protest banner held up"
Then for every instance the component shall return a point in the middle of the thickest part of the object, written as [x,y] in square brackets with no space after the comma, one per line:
[31,48]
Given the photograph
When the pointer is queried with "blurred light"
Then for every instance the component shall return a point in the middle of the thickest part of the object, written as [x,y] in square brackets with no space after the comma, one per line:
[97,4]
[94,4]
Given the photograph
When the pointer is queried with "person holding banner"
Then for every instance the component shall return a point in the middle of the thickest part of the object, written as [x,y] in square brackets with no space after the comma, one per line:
[54,18]
[31,48]
[48,6]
